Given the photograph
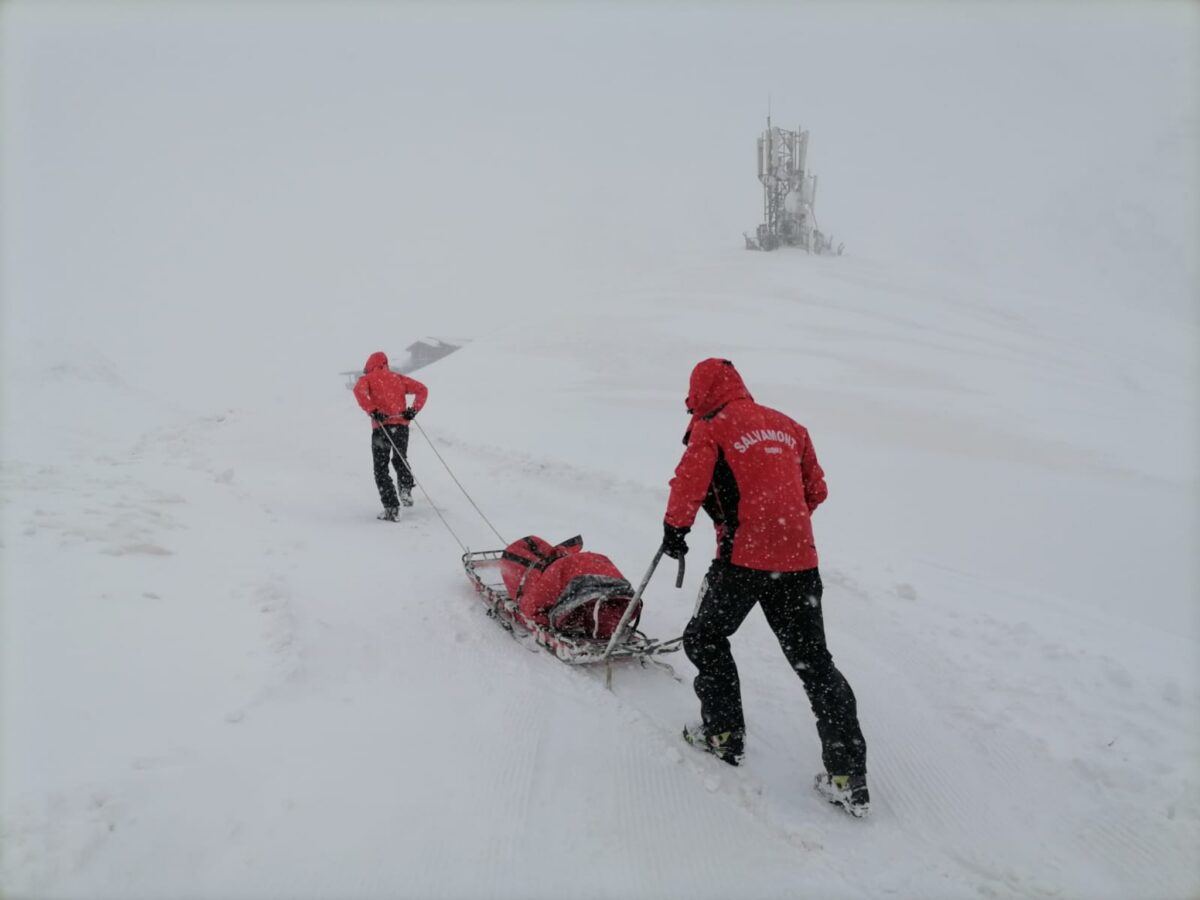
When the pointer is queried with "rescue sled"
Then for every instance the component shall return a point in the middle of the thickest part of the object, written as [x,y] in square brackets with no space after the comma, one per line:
[570,602]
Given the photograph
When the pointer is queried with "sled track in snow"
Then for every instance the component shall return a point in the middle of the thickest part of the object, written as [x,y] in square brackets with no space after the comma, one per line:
[518,782]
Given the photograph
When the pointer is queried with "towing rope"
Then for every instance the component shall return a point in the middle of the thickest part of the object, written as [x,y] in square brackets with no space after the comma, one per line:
[460,487]
[637,598]
[418,484]
[404,459]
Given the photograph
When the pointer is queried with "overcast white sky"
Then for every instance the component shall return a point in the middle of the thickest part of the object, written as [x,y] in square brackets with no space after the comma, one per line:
[407,168]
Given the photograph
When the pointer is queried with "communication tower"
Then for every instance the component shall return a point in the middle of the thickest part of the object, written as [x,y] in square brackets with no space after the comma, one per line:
[789,194]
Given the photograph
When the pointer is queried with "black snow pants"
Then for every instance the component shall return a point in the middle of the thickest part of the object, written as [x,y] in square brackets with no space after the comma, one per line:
[791,602]
[381,452]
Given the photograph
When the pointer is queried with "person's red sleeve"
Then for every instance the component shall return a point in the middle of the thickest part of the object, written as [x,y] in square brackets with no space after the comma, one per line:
[362,393]
[422,393]
[692,478]
[815,489]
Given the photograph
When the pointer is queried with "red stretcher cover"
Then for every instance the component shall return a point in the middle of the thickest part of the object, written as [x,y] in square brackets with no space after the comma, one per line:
[565,588]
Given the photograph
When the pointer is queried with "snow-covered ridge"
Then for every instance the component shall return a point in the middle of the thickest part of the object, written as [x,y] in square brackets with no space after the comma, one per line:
[202,614]
[221,676]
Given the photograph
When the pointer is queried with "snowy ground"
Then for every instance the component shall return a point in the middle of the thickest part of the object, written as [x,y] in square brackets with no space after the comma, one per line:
[220,676]
[223,677]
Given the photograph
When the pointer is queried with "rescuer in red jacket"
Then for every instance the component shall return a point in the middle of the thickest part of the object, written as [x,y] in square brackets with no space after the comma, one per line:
[383,394]
[755,473]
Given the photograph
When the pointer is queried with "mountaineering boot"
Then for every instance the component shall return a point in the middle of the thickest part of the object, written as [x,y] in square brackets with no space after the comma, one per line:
[727,746]
[847,791]
[390,514]
[406,496]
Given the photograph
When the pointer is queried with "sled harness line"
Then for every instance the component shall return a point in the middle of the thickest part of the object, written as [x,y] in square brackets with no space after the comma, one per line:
[625,643]
[460,487]
[433,505]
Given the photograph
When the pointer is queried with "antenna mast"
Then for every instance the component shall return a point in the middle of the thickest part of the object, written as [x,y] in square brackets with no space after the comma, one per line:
[789,192]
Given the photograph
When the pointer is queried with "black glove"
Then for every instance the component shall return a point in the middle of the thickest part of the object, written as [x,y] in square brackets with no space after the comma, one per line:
[673,543]
[409,414]
[379,415]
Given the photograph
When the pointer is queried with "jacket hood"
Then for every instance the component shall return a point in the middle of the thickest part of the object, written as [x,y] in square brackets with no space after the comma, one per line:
[377,360]
[714,383]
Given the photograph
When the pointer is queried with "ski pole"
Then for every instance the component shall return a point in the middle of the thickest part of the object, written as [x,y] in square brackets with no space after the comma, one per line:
[633,604]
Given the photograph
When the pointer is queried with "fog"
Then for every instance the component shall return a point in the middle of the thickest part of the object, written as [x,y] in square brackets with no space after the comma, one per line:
[210,212]
[300,183]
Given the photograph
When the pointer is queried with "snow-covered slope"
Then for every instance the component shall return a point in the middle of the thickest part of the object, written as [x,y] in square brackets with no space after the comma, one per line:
[221,676]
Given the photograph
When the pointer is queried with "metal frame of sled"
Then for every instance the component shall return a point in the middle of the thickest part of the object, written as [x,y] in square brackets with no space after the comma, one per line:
[633,644]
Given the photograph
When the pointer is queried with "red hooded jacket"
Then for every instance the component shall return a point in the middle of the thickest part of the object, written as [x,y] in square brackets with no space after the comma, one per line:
[753,470]
[382,389]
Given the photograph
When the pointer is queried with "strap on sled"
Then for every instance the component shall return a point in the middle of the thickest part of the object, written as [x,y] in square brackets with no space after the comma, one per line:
[538,560]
